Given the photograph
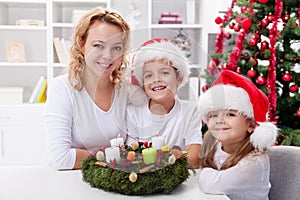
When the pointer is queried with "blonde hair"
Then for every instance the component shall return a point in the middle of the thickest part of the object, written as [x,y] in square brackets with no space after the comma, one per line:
[209,148]
[80,35]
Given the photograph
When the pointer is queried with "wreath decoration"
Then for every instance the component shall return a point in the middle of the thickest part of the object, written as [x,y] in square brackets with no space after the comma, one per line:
[134,177]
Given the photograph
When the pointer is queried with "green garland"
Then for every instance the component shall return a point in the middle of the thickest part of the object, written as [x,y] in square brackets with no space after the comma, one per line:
[163,180]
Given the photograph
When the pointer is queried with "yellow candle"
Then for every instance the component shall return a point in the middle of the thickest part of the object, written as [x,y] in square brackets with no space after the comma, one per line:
[149,155]
[131,155]
[165,148]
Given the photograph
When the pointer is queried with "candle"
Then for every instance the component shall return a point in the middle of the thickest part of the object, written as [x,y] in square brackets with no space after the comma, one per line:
[131,155]
[116,142]
[112,153]
[149,155]
[158,142]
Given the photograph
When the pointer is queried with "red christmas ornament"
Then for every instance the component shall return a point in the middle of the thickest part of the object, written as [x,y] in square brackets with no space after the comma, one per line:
[218,20]
[251,73]
[270,17]
[231,25]
[264,45]
[238,70]
[246,23]
[286,17]
[256,36]
[225,66]
[287,77]
[227,35]
[261,80]
[265,22]
[244,9]
[204,88]
[263,1]
[252,42]
[293,88]
[298,113]
[237,28]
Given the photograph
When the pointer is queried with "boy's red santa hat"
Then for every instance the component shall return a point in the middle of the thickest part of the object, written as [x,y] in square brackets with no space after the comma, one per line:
[157,49]
[233,91]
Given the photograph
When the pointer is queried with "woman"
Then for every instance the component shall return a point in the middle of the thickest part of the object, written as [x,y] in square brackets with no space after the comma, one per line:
[86,107]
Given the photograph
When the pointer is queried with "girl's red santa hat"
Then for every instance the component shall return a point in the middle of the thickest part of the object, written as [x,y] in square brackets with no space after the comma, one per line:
[157,49]
[233,91]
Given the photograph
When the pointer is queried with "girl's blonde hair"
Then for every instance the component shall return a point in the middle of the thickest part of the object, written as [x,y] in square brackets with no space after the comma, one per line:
[80,35]
[209,148]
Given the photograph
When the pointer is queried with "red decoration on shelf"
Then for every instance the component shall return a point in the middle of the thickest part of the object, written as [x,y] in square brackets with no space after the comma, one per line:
[293,88]
[261,80]
[251,73]
[287,77]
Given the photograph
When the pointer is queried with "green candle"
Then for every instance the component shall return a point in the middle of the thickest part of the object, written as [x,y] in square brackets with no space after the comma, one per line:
[149,155]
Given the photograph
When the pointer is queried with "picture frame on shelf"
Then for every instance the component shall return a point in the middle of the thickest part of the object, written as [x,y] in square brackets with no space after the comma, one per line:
[15,51]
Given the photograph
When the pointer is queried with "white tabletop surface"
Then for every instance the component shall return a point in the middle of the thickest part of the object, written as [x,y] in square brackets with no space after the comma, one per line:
[44,183]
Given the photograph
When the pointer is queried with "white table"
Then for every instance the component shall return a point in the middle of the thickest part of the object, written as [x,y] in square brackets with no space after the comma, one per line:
[44,183]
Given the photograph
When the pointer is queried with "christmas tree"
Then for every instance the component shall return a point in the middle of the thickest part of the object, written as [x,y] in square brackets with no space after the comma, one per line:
[265,40]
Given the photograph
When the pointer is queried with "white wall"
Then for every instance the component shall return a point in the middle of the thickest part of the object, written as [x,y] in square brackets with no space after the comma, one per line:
[209,11]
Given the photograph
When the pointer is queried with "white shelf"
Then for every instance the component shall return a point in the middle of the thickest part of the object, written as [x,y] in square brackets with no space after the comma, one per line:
[63,25]
[25,64]
[80,1]
[14,27]
[178,26]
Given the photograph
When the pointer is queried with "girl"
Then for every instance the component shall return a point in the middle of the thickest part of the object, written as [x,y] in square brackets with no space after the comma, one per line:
[86,107]
[234,159]
[160,67]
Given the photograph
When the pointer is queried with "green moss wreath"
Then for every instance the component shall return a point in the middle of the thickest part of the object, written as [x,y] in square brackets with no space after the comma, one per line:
[163,180]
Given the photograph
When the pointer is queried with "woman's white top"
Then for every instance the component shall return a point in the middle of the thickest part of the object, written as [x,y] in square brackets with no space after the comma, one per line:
[73,120]
[181,126]
[247,180]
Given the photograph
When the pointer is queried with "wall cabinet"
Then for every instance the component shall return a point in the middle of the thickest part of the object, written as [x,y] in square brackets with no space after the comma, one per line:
[22,139]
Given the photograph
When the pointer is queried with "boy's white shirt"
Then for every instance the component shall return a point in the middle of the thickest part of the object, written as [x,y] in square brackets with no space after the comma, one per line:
[181,126]
[248,180]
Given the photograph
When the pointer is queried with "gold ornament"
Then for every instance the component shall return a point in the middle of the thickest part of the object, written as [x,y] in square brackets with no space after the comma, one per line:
[133,177]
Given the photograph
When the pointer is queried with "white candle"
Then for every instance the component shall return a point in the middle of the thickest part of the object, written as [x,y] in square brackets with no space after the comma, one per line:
[112,153]
[158,142]
[116,142]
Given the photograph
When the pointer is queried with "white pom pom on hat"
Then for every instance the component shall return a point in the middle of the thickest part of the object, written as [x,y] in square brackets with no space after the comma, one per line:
[156,49]
[233,91]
